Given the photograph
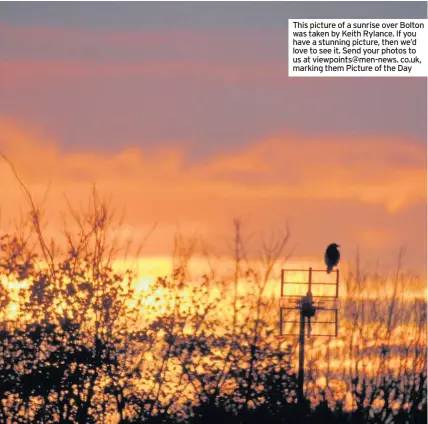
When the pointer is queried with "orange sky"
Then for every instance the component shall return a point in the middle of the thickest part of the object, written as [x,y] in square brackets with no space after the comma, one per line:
[354,196]
[184,116]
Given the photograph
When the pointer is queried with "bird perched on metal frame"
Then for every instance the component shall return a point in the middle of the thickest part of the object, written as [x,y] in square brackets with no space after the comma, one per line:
[332,256]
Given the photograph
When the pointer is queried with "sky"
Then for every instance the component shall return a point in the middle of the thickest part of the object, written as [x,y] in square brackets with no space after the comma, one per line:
[183,113]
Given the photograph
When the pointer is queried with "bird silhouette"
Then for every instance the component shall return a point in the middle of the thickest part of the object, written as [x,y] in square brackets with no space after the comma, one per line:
[331,257]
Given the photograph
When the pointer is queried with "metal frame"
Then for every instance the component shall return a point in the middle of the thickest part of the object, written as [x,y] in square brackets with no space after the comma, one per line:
[306,305]
[309,283]
[315,322]
[316,300]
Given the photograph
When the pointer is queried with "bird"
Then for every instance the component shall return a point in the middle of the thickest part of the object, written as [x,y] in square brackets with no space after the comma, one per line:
[332,256]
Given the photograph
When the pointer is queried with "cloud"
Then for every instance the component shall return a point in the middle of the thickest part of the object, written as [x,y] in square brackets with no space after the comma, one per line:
[68,36]
[32,54]
[384,171]
[376,237]
[24,71]
[365,181]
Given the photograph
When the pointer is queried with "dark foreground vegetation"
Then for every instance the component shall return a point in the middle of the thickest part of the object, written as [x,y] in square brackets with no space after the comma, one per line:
[81,342]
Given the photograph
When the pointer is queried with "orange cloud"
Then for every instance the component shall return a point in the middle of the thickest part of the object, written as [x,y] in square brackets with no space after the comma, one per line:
[376,237]
[268,179]
[385,171]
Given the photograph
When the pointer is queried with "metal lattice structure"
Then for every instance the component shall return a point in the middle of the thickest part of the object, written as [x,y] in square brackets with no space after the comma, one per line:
[313,301]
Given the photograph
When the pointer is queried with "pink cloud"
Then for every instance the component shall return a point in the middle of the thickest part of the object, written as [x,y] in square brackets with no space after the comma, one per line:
[36,71]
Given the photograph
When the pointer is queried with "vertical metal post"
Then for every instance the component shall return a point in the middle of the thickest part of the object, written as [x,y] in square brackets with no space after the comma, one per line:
[337,324]
[309,295]
[337,283]
[337,296]
[282,282]
[300,377]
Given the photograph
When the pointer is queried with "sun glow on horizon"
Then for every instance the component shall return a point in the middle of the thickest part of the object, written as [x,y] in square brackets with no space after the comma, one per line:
[149,268]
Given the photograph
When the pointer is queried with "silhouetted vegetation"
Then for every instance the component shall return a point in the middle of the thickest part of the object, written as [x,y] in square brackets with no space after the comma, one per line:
[82,342]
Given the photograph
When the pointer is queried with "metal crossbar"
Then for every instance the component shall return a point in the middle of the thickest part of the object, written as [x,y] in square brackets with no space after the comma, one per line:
[325,303]
[313,322]
[293,308]
[287,336]
[304,270]
[313,284]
